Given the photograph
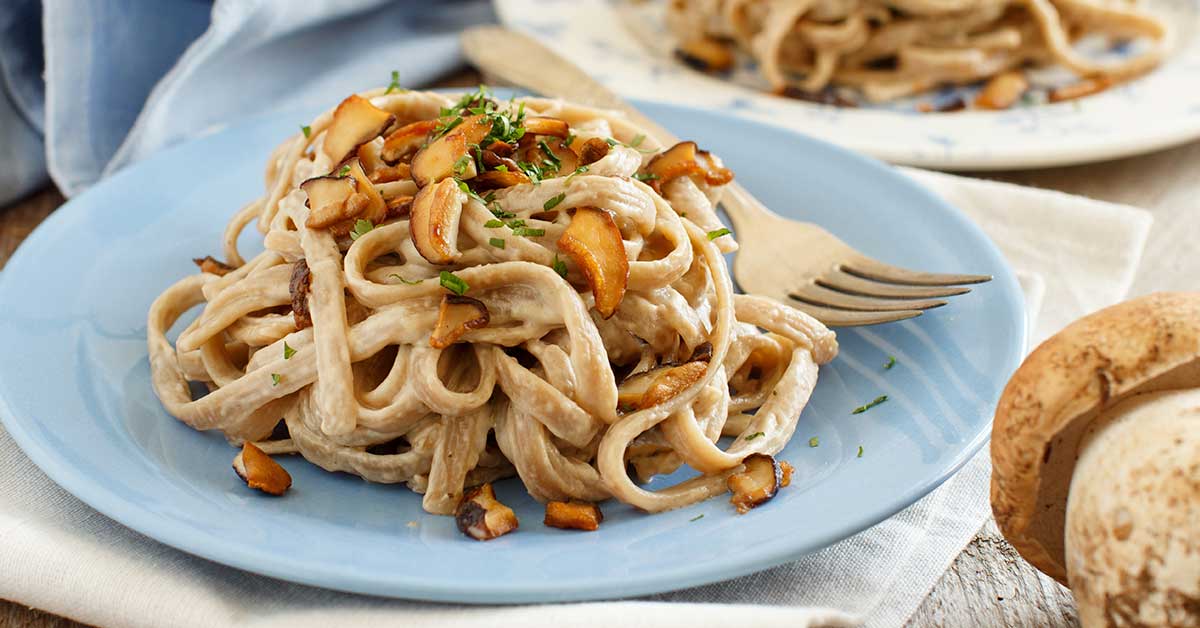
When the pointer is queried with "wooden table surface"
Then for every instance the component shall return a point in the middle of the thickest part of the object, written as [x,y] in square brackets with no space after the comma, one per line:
[988,584]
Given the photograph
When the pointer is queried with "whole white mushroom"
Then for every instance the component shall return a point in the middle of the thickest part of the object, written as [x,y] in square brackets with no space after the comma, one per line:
[1096,461]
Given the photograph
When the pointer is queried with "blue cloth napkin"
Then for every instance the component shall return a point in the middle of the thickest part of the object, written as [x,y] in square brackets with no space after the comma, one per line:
[90,86]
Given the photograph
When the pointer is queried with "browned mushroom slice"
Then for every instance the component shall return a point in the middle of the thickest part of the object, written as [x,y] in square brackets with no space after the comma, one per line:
[1086,87]
[549,216]
[594,242]
[671,382]
[355,121]
[706,54]
[378,170]
[756,484]
[1002,91]
[376,209]
[405,141]
[648,389]
[480,516]
[298,287]
[213,266]
[685,160]
[496,179]
[329,198]
[491,161]
[501,149]
[450,155]
[433,226]
[260,472]
[546,126]
[573,515]
[456,316]
[399,207]
[786,469]
[593,150]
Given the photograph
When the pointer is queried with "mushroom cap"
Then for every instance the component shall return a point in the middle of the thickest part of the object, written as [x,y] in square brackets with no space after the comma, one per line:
[1144,345]
[1133,520]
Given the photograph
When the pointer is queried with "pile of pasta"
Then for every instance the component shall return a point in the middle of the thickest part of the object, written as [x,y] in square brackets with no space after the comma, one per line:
[455,291]
[888,49]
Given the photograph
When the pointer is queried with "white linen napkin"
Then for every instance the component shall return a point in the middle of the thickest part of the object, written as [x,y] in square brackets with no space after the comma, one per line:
[1073,256]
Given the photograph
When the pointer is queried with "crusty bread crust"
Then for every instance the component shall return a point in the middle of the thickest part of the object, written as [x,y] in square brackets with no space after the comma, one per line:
[1146,344]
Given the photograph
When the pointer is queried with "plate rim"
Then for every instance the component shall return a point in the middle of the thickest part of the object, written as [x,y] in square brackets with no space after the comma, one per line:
[1151,136]
[764,555]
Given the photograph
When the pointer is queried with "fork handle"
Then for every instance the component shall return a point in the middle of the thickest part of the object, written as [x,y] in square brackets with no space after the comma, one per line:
[504,54]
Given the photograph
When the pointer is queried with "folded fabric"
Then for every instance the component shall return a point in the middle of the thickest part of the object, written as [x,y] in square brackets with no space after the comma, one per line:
[124,78]
[60,555]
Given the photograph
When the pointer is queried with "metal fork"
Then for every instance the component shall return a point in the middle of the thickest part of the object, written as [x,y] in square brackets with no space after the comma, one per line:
[823,276]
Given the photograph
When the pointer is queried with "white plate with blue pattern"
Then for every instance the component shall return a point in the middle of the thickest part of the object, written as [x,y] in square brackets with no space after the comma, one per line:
[626,46]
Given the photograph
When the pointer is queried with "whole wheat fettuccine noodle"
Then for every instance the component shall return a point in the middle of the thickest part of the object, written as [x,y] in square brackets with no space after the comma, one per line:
[535,392]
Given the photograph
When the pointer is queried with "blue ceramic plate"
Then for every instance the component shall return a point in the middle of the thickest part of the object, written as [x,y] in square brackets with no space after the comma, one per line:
[75,392]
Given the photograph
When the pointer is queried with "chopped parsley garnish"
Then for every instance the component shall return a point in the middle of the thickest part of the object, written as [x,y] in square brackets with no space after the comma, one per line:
[814,441]
[878,400]
[307,130]
[754,436]
[276,378]
[361,227]
[552,203]
[713,235]
[394,86]
[501,168]
[890,363]
[514,224]
[344,170]
[551,161]
[637,141]
[492,224]
[453,283]
[288,352]
[645,176]
[579,170]
[460,166]
[469,192]
[860,451]
[696,518]
[529,233]
[560,267]
[403,280]
[499,212]
[496,242]
[445,127]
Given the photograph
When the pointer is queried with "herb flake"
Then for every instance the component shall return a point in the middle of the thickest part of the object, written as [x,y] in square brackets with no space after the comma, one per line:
[814,441]
[492,224]
[307,130]
[288,352]
[453,283]
[860,452]
[878,400]
[560,267]
[276,378]
[552,203]
[713,235]
[696,518]
[403,280]
[496,242]
[394,86]
[890,363]
[754,436]
[361,228]
[344,170]
[528,232]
